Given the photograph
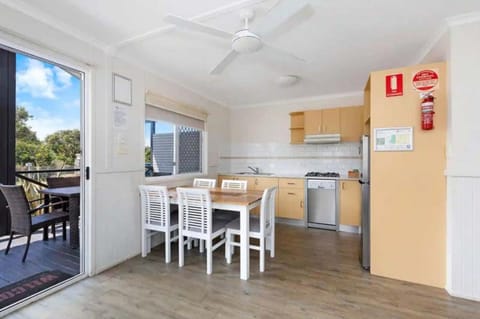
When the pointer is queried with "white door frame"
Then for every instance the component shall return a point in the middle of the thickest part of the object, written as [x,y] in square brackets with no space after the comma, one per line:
[15,44]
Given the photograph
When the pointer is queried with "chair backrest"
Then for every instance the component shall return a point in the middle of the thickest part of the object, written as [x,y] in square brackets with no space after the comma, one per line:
[204,183]
[267,209]
[231,184]
[155,205]
[67,181]
[195,210]
[19,208]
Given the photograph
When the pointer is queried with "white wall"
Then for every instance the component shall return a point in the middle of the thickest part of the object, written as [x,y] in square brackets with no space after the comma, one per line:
[115,177]
[463,158]
[260,137]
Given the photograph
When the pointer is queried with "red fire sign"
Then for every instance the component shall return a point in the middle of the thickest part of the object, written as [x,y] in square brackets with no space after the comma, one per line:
[394,85]
[425,80]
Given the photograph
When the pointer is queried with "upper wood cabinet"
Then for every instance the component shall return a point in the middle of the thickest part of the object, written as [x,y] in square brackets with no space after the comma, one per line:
[297,127]
[322,121]
[351,123]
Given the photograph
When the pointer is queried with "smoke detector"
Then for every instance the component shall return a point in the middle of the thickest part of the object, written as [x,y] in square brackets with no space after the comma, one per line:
[287,80]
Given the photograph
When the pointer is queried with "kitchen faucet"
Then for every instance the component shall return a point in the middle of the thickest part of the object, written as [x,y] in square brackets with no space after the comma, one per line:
[256,170]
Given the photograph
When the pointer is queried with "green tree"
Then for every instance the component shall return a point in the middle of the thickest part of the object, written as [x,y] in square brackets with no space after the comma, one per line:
[26,140]
[23,132]
[25,152]
[44,155]
[148,154]
[65,145]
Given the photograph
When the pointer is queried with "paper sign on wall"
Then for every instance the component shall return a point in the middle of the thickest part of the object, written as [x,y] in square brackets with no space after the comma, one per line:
[394,85]
[393,139]
[425,80]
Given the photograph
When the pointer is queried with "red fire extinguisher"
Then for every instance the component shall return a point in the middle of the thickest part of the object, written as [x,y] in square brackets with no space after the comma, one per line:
[427,110]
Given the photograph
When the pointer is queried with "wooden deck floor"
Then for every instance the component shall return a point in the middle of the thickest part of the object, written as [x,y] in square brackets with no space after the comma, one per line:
[42,256]
[316,274]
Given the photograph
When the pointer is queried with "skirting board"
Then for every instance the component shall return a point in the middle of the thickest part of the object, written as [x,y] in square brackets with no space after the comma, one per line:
[350,229]
[288,221]
[463,296]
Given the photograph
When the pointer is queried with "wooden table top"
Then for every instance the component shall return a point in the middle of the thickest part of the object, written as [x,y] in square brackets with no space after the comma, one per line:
[227,196]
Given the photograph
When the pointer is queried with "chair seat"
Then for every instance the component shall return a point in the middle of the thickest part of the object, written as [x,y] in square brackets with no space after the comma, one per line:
[48,219]
[254,224]
[225,215]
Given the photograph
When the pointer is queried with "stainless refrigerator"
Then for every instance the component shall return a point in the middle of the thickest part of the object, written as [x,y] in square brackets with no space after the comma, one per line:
[365,184]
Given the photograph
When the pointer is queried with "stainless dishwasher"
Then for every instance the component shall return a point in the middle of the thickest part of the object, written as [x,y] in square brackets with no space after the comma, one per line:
[322,203]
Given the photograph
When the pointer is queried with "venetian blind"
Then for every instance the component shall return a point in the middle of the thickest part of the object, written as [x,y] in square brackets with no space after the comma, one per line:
[159,108]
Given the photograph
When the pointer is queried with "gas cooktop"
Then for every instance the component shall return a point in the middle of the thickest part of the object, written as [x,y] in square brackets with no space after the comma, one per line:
[322,174]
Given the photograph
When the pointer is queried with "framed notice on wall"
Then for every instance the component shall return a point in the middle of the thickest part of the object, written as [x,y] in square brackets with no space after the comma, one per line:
[393,139]
[122,89]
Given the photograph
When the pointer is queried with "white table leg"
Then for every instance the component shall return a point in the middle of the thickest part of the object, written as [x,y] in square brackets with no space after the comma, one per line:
[244,243]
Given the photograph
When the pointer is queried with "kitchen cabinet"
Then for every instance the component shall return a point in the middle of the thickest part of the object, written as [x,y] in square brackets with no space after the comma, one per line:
[351,123]
[291,195]
[260,184]
[350,203]
[297,131]
[325,121]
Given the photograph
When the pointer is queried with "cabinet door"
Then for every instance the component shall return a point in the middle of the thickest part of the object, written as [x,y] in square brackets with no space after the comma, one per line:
[351,123]
[350,203]
[312,122]
[331,121]
[260,184]
[291,203]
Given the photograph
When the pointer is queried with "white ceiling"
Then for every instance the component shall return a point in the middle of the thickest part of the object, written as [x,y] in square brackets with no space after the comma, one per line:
[341,40]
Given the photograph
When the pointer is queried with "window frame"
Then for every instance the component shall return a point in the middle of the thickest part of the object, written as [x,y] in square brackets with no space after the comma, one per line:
[176,176]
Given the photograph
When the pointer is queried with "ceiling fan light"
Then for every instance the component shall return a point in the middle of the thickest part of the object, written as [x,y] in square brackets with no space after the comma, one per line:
[246,42]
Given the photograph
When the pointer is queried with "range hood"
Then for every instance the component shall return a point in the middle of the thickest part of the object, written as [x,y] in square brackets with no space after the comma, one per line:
[322,139]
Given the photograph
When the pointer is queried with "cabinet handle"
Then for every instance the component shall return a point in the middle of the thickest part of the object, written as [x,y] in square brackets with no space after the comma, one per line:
[343,185]
[301,204]
[256,181]
[291,183]
[291,193]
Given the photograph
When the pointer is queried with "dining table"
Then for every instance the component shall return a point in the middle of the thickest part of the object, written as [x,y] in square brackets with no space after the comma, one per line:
[241,201]
[71,193]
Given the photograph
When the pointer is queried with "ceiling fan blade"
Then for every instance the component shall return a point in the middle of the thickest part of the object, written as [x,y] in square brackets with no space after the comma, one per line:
[280,14]
[225,62]
[195,26]
[282,52]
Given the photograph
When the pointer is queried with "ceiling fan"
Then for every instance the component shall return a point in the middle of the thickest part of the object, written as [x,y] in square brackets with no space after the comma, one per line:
[247,40]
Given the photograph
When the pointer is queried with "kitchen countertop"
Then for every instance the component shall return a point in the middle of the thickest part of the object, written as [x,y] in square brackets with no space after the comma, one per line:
[341,178]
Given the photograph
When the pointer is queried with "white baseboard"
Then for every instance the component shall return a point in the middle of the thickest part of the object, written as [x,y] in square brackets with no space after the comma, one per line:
[350,229]
[288,221]
[460,295]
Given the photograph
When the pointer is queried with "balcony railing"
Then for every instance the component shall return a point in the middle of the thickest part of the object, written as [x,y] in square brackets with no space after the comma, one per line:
[34,180]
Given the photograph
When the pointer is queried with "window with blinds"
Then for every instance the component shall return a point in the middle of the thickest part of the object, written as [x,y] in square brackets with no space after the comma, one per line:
[173,143]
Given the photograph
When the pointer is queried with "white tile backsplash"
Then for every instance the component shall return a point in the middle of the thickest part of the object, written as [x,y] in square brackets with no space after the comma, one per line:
[291,159]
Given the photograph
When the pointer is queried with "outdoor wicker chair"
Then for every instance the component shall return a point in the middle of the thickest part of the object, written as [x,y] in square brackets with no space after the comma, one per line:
[22,221]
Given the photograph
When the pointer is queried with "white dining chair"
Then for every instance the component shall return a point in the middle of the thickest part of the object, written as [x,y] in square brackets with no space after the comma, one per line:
[232,184]
[196,221]
[204,183]
[156,217]
[261,228]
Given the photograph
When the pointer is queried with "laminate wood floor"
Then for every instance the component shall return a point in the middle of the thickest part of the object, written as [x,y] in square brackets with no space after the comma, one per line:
[316,274]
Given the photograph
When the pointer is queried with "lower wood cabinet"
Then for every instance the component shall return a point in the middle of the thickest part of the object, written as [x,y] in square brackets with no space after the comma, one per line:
[291,195]
[350,203]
